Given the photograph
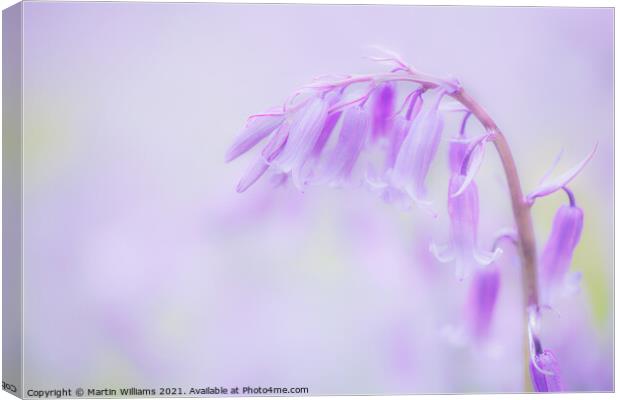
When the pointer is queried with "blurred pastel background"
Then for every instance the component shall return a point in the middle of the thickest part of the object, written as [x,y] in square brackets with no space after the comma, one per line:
[143,267]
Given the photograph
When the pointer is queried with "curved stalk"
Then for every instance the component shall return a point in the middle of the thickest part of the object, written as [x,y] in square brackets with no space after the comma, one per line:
[526,242]
[520,207]
[523,219]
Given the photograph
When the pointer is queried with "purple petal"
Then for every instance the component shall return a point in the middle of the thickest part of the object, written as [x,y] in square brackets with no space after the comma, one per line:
[276,143]
[382,106]
[305,127]
[463,211]
[558,251]
[399,132]
[551,185]
[418,151]
[412,104]
[472,162]
[256,129]
[330,124]
[547,380]
[342,159]
[482,298]
[401,126]
[456,154]
[252,174]
[270,151]
[415,105]
[307,171]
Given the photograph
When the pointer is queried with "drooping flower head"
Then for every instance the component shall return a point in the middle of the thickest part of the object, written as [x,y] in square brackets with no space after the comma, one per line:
[299,134]
[326,130]
[305,127]
[463,208]
[558,251]
[462,248]
[418,150]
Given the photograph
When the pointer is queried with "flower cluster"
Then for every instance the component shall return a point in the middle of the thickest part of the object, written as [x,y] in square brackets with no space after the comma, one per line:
[383,131]
[322,135]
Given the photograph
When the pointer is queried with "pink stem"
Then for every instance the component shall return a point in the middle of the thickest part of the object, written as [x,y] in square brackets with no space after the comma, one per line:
[520,207]
[523,218]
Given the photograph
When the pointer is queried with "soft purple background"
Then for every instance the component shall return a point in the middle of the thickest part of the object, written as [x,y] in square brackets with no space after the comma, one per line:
[143,267]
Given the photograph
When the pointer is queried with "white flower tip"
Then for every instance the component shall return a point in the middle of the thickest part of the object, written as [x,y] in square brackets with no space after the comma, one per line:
[485,257]
[572,283]
[442,253]
[461,189]
[427,207]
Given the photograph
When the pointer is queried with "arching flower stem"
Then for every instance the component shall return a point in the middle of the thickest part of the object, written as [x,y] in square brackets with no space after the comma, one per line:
[526,242]
[307,128]
[571,196]
[521,212]
[520,206]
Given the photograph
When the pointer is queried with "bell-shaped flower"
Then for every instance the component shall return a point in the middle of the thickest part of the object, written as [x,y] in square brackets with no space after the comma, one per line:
[326,132]
[257,128]
[418,151]
[271,150]
[306,126]
[340,161]
[457,150]
[293,136]
[379,181]
[462,248]
[400,128]
[401,125]
[382,103]
[558,251]
[466,156]
[481,300]
[310,166]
